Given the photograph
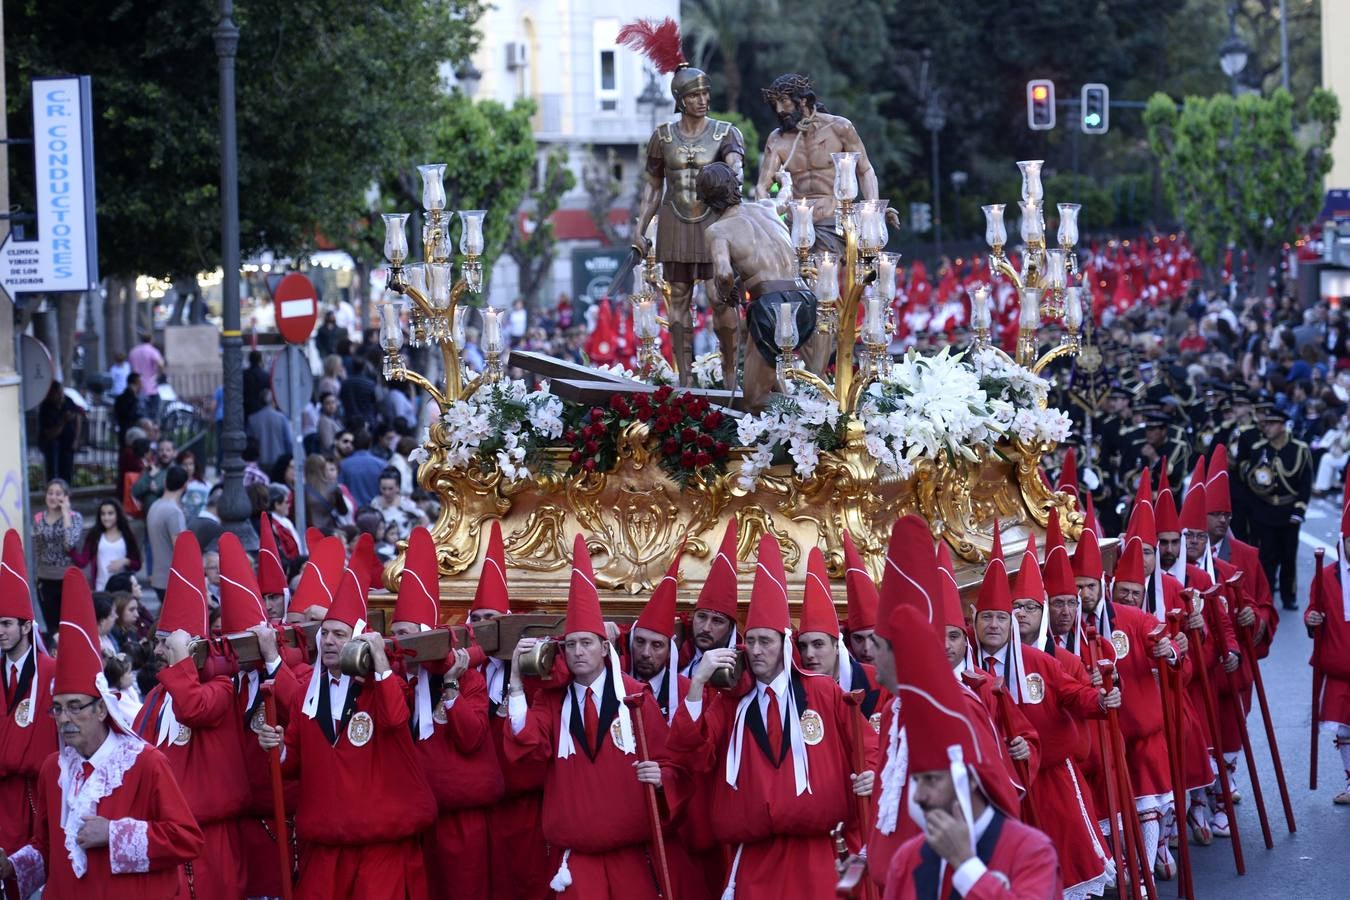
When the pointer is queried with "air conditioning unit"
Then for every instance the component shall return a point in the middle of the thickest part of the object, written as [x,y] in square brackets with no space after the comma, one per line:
[517,57]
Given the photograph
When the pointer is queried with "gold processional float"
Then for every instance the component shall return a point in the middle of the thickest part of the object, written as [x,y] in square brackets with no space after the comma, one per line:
[639,468]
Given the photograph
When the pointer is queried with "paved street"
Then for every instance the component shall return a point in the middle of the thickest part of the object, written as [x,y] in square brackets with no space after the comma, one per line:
[1315,862]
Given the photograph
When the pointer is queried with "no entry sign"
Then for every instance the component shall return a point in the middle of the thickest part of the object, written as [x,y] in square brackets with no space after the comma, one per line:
[297,309]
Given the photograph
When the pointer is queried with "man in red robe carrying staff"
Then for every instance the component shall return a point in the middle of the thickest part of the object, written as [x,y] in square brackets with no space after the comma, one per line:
[111,822]
[774,758]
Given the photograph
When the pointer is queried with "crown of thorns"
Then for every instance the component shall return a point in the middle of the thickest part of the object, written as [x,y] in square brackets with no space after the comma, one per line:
[791,85]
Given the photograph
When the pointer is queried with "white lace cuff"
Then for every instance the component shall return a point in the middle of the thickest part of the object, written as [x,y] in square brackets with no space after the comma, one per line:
[30,870]
[128,846]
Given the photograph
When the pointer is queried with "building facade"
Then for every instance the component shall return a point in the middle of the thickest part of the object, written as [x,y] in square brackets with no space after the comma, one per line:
[589,93]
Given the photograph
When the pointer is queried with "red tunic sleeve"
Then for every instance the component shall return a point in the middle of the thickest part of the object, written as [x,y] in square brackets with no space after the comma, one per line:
[197,704]
[694,743]
[1034,875]
[536,740]
[169,829]
[467,720]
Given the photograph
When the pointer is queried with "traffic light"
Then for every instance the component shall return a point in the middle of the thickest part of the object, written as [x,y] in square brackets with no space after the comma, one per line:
[1096,107]
[1040,104]
[920,217]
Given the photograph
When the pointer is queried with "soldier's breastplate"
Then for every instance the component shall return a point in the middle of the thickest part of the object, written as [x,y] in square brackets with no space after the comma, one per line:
[685,158]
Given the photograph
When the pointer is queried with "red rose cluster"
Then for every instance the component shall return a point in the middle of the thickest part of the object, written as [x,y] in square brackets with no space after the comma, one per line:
[689,435]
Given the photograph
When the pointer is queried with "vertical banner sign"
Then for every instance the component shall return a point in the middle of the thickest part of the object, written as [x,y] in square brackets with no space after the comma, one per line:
[65,255]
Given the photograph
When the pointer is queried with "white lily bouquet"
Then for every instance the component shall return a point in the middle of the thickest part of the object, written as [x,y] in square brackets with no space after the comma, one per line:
[504,422]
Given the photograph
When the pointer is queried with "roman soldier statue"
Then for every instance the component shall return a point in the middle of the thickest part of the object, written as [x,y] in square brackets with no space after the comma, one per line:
[676,152]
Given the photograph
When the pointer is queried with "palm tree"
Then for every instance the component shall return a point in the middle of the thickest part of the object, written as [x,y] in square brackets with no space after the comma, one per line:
[722,29]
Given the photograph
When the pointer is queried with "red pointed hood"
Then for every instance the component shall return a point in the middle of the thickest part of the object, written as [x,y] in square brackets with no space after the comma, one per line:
[1163,483]
[1141,524]
[79,664]
[1029,584]
[1087,557]
[583,601]
[16,599]
[1130,566]
[1217,498]
[241,602]
[953,609]
[930,697]
[320,575]
[271,577]
[1090,522]
[720,593]
[911,577]
[1345,520]
[768,596]
[492,593]
[818,612]
[185,597]
[658,615]
[1165,516]
[1068,475]
[364,563]
[349,603]
[994,593]
[312,537]
[419,587]
[1058,569]
[1194,512]
[862,591]
[1144,494]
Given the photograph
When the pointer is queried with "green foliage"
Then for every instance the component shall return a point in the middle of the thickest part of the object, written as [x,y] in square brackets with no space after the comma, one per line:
[533,253]
[1099,207]
[331,95]
[1244,171]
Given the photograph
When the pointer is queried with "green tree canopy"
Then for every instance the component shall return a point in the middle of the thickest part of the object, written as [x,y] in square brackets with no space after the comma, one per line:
[332,94]
[1246,170]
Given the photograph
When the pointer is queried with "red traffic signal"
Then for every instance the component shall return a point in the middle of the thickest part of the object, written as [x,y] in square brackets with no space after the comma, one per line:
[1040,104]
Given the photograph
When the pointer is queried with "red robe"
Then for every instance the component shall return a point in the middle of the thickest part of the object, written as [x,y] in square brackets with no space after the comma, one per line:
[23,748]
[460,763]
[1061,799]
[1216,638]
[1021,865]
[209,769]
[595,815]
[151,831]
[363,803]
[783,838]
[1331,648]
[1247,560]
[1141,721]
[517,854]
[882,847]
[257,824]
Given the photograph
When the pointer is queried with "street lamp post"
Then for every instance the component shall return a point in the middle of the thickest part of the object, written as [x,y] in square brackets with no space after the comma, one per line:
[1233,52]
[959,179]
[652,96]
[234,506]
[935,119]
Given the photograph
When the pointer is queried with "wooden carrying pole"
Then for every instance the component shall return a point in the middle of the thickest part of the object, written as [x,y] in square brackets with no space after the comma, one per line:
[634,703]
[1249,649]
[278,796]
[1317,677]
[854,699]
[1169,688]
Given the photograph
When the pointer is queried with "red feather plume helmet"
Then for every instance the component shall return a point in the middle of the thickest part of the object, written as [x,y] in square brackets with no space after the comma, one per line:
[659,41]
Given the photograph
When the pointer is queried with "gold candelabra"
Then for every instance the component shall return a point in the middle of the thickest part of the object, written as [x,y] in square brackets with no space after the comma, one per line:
[869,284]
[647,324]
[1048,285]
[435,316]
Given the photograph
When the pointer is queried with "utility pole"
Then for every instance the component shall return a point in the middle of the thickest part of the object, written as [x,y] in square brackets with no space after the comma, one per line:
[234,504]
[1284,44]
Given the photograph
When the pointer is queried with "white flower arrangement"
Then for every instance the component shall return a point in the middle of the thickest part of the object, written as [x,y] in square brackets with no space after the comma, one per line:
[924,407]
[804,422]
[504,421]
[1021,396]
[707,371]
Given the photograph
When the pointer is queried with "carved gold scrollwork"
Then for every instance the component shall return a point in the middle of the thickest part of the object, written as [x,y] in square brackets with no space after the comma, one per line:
[752,523]
[541,544]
